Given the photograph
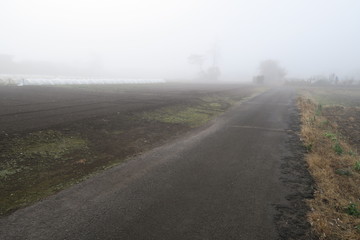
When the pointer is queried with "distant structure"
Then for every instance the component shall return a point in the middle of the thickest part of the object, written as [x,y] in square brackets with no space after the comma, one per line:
[213,72]
[270,73]
[22,80]
[334,79]
[258,79]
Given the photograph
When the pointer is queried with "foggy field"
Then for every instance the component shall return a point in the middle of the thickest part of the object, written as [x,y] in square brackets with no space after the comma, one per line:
[335,96]
[32,107]
[331,135]
[52,137]
[341,106]
[180,119]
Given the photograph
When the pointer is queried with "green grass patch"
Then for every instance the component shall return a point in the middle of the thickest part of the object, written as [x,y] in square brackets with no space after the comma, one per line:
[352,210]
[331,135]
[343,172]
[42,147]
[319,110]
[357,166]
[191,115]
[49,144]
[338,149]
[308,147]
[30,167]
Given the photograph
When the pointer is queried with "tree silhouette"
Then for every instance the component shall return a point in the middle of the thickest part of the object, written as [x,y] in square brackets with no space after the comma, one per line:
[197,59]
[272,72]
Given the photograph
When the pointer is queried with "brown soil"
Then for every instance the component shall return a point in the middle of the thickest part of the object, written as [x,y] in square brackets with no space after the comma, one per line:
[347,121]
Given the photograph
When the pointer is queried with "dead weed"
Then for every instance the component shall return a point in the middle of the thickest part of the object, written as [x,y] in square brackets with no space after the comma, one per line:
[336,199]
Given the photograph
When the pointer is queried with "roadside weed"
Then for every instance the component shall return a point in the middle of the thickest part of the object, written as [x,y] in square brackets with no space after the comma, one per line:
[343,172]
[352,210]
[338,149]
[308,147]
[352,153]
[357,166]
[330,135]
[319,110]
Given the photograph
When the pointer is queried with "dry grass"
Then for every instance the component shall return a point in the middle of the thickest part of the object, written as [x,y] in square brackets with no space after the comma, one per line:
[332,164]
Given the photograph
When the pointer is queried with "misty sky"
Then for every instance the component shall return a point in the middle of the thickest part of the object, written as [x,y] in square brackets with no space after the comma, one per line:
[307,37]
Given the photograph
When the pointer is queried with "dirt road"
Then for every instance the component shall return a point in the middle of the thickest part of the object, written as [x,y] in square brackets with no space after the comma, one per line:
[241,178]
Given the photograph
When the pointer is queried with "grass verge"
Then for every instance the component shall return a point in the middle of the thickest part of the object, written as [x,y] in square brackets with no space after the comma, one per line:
[190,115]
[333,163]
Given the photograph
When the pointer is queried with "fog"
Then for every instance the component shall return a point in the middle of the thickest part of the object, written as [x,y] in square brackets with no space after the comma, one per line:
[154,38]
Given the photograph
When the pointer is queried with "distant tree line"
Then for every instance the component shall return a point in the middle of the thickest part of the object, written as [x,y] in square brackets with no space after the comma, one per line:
[320,80]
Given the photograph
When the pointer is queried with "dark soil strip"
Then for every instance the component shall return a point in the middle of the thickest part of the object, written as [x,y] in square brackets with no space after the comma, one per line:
[291,219]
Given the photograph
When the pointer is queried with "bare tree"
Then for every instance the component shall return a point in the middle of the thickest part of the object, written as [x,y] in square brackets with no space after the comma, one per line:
[197,59]
[211,73]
